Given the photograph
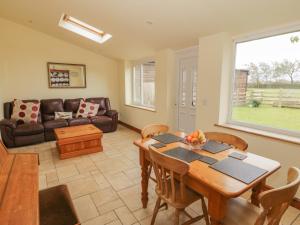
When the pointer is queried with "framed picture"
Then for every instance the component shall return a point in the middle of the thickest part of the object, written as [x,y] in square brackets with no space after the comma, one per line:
[65,75]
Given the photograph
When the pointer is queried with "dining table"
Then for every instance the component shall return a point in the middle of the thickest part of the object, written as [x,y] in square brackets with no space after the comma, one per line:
[217,187]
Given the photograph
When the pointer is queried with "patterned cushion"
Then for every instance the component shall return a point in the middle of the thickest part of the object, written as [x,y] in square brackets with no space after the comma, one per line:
[25,112]
[63,115]
[87,109]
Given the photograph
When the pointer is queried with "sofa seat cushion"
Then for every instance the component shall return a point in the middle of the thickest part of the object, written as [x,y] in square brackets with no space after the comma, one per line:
[101,119]
[79,121]
[52,124]
[28,129]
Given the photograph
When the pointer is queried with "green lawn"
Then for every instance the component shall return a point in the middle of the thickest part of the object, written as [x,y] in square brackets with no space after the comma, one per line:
[269,116]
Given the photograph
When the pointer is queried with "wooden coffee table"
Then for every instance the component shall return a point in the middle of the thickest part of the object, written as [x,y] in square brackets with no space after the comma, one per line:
[78,140]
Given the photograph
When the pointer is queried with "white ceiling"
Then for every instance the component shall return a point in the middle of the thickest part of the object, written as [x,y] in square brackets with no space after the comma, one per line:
[176,23]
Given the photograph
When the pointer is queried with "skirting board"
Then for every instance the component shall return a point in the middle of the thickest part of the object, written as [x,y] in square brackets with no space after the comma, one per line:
[130,127]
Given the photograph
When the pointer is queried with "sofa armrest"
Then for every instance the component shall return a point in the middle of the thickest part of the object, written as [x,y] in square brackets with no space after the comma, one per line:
[112,113]
[8,123]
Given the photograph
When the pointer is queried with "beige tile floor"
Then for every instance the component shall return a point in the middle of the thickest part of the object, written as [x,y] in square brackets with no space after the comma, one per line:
[105,187]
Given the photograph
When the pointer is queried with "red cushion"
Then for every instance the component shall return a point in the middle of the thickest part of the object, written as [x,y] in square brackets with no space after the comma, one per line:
[25,112]
[87,109]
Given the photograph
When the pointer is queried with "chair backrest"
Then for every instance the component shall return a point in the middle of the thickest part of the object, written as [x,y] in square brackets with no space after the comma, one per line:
[230,139]
[276,201]
[166,169]
[153,129]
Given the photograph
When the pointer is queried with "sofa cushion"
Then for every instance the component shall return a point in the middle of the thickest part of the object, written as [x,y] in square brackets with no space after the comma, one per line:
[101,119]
[28,129]
[52,124]
[72,105]
[49,107]
[78,121]
[103,105]
[25,112]
[87,109]
[63,115]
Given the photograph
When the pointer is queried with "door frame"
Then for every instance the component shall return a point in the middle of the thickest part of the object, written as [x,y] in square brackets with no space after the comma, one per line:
[181,54]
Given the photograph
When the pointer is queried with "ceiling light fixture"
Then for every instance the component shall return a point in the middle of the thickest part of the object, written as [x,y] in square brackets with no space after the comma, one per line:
[83,29]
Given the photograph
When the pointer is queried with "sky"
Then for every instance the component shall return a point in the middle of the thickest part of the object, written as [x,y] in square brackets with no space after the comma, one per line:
[267,50]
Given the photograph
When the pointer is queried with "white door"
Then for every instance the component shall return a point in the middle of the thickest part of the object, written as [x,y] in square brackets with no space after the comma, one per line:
[187,93]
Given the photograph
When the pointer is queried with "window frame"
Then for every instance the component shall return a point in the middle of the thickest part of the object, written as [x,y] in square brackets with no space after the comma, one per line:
[253,37]
[83,29]
[132,100]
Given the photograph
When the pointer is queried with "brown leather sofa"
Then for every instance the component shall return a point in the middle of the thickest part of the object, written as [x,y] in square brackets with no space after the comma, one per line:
[14,135]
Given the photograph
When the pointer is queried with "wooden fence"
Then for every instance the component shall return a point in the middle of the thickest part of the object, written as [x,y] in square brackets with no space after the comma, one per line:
[275,97]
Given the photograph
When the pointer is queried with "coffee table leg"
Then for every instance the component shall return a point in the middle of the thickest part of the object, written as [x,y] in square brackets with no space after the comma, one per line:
[256,191]
[217,205]
[145,178]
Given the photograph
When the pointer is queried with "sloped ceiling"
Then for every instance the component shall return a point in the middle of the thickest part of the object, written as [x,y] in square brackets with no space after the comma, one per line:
[175,23]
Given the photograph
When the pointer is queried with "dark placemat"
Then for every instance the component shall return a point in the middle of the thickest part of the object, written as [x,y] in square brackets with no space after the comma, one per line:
[207,159]
[158,145]
[167,138]
[215,147]
[239,170]
[183,154]
[237,155]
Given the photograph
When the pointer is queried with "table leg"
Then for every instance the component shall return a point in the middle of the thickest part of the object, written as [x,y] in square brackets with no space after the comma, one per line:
[217,205]
[145,178]
[256,191]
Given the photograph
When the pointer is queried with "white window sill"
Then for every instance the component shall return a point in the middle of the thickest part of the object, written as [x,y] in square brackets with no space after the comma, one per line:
[280,137]
[141,107]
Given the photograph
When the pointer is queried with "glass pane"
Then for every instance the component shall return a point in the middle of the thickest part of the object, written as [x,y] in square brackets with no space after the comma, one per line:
[183,87]
[148,84]
[137,88]
[194,86]
[267,82]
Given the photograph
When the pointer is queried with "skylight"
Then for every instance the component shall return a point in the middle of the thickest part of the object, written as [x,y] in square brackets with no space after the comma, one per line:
[83,29]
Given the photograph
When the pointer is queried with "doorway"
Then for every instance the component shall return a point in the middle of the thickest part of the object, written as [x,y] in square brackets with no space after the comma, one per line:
[187,72]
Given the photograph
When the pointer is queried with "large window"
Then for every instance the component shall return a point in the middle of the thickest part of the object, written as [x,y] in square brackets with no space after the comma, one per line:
[266,87]
[143,84]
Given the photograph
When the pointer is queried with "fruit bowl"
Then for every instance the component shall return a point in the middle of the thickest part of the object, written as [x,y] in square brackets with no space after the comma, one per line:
[195,139]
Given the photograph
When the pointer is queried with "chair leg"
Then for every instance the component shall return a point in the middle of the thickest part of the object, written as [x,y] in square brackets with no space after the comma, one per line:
[177,214]
[157,206]
[205,213]
[149,174]
[149,171]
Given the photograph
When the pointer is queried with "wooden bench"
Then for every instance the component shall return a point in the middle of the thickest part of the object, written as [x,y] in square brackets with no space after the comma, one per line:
[18,188]
[20,199]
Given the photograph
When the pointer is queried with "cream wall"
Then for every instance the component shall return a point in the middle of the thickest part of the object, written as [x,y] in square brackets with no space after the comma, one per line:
[215,69]
[23,70]
[164,88]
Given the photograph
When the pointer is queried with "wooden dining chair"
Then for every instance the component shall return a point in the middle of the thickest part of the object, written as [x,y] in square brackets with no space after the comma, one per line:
[154,129]
[170,175]
[273,203]
[230,139]
[150,131]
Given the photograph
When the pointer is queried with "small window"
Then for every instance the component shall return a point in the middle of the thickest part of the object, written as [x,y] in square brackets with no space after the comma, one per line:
[266,87]
[143,84]
[83,29]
